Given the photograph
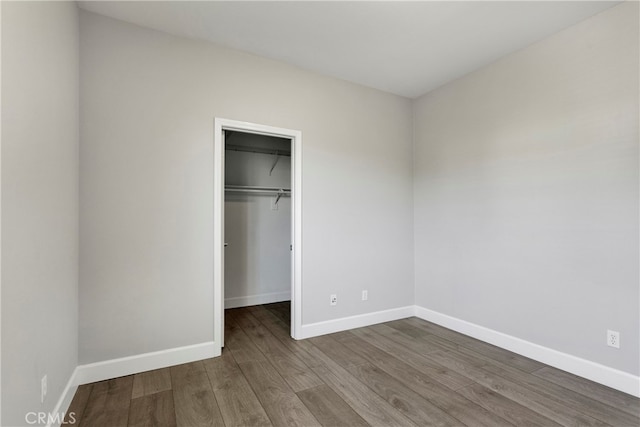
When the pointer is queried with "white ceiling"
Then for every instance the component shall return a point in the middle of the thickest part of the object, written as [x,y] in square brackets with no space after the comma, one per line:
[407,48]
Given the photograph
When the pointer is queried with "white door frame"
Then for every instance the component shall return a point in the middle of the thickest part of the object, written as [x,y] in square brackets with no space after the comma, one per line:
[220,126]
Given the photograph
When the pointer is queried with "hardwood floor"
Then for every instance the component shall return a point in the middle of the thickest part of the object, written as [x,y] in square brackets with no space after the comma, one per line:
[403,373]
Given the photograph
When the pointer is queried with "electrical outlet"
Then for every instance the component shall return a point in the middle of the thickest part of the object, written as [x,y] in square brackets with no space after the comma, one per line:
[365,295]
[613,339]
[43,388]
[333,299]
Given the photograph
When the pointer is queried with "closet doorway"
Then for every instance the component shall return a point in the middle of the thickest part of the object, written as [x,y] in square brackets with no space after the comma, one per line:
[257,219]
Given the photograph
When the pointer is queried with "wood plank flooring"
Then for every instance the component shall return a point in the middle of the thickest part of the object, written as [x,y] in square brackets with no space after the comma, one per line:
[403,373]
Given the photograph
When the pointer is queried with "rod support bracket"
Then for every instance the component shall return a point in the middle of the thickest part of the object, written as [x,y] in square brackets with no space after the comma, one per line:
[275,162]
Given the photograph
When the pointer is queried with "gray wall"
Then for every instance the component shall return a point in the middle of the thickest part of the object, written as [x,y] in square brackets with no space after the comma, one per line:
[526,192]
[258,259]
[39,203]
[146,200]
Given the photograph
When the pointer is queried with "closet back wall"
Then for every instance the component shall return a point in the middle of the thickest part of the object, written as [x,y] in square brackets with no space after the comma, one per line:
[258,259]
[148,103]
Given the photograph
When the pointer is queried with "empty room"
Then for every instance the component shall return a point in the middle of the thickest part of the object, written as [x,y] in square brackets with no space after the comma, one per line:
[320,213]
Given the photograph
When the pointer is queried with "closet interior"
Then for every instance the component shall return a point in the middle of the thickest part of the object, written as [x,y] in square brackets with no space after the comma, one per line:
[258,220]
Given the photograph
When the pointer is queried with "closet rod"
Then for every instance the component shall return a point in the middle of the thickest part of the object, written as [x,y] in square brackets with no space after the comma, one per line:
[250,189]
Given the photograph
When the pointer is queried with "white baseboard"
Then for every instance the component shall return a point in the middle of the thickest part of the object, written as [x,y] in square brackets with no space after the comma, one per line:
[327,327]
[144,362]
[66,397]
[108,369]
[115,368]
[249,300]
[602,374]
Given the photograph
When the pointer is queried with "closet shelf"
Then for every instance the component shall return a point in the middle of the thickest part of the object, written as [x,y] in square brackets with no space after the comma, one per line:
[259,150]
